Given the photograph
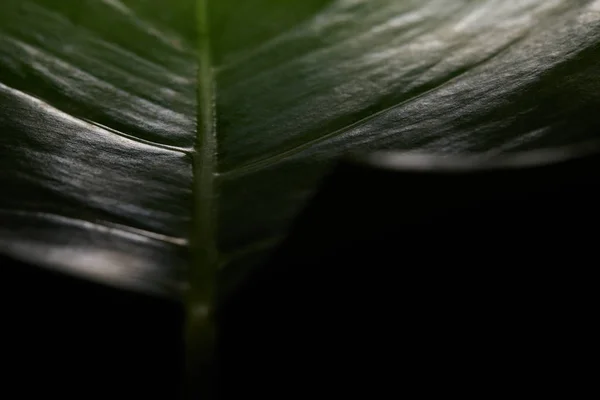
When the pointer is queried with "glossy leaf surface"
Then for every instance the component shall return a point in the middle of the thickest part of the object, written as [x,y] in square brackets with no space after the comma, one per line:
[126,125]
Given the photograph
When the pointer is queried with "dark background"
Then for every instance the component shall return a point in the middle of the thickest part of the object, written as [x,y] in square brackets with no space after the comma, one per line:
[392,282]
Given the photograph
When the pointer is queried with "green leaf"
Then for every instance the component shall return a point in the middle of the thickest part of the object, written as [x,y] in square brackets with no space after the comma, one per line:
[97,128]
[146,143]
[350,75]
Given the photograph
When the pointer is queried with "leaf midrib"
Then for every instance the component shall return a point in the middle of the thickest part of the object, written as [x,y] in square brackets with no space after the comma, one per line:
[204,254]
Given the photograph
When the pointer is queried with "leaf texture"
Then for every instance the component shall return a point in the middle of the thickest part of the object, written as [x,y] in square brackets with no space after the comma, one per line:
[97,128]
[437,76]
[124,138]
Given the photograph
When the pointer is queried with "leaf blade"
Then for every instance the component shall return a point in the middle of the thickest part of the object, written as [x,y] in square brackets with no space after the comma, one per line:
[97,132]
[301,84]
[483,76]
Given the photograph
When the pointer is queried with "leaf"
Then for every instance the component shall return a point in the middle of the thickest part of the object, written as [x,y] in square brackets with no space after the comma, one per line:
[349,75]
[142,140]
[97,120]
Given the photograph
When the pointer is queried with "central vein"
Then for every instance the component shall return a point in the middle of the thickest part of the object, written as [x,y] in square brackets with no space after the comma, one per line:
[200,327]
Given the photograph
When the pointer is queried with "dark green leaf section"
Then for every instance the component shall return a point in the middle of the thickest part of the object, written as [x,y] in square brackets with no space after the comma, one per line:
[97,128]
[434,75]
[104,104]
